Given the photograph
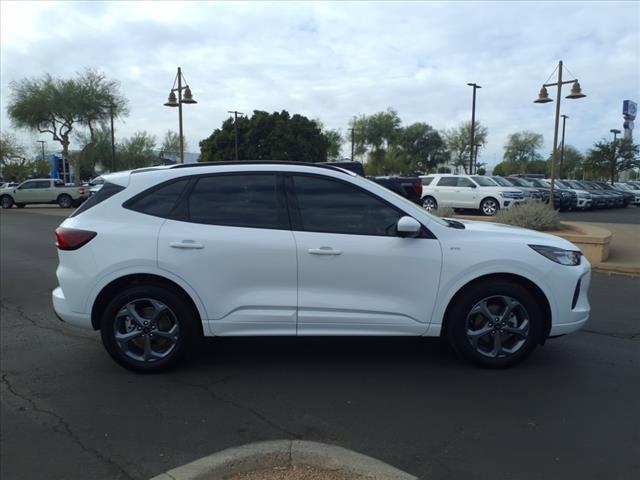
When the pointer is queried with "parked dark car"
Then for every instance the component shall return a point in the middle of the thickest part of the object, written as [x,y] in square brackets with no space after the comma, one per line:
[601,198]
[616,198]
[627,197]
[355,167]
[530,192]
[560,201]
[408,187]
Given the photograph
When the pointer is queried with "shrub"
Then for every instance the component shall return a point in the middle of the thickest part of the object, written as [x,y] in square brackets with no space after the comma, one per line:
[443,212]
[534,215]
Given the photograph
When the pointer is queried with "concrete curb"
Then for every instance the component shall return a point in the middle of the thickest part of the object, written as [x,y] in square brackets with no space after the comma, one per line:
[283,453]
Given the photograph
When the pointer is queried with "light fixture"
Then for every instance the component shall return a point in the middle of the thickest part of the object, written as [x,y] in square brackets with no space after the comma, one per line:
[173,101]
[576,91]
[188,97]
[543,96]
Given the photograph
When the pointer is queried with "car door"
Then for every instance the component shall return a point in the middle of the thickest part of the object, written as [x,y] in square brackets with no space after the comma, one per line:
[27,192]
[230,240]
[356,276]
[466,194]
[445,191]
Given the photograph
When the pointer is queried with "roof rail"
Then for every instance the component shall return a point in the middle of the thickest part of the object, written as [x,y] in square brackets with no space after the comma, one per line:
[258,162]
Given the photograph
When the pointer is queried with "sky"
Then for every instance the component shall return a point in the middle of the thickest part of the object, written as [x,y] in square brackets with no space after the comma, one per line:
[333,60]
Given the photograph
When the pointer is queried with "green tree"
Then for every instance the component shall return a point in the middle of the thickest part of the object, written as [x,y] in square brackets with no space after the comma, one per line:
[58,106]
[458,142]
[424,148]
[267,136]
[608,159]
[13,158]
[373,136]
[522,147]
[504,169]
[99,155]
[170,147]
[334,144]
[137,151]
[571,163]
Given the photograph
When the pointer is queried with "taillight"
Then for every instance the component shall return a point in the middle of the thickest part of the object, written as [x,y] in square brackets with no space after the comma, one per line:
[72,238]
[81,190]
[418,186]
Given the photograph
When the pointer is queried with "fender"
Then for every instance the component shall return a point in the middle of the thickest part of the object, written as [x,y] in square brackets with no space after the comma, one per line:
[450,286]
[148,269]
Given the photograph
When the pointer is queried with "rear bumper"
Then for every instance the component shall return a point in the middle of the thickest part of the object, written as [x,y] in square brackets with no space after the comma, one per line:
[64,312]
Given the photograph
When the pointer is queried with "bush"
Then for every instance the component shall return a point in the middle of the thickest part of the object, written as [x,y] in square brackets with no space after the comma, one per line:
[443,212]
[534,215]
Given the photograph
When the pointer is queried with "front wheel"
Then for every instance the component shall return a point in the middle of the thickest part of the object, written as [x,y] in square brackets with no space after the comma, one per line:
[6,201]
[148,328]
[494,324]
[489,207]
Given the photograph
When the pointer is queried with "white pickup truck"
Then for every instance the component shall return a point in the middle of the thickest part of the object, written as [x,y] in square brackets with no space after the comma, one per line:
[42,190]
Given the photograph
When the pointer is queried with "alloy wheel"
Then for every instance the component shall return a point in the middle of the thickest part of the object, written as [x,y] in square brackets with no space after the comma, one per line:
[146,330]
[429,204]
[489,207]
[497,326]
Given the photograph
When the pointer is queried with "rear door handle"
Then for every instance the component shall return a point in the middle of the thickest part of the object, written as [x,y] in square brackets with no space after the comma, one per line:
[187,245]
[324,251]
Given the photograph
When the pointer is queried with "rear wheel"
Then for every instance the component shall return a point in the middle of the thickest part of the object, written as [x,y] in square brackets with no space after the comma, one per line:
[6,201]
[429,203]
[148,328]
[489,207]
[65,201]
[495,324]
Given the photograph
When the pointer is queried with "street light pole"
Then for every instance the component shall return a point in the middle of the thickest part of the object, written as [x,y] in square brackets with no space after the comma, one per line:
[42,142]
[473,125]
[235,127]
[477,148]
[113,141]
[564,123]
[177,102]
[613,160]
[353,131]
[543,97]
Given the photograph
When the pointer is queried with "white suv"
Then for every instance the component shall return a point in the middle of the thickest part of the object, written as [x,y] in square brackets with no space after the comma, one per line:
[469,192]
[162,255]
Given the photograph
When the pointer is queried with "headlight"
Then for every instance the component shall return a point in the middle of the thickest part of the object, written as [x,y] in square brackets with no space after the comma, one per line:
[559,255]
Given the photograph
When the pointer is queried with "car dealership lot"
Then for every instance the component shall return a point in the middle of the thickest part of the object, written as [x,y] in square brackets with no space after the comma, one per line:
[67,409]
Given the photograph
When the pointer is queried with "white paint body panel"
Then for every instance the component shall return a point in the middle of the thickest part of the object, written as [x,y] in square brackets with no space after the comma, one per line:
[246,281]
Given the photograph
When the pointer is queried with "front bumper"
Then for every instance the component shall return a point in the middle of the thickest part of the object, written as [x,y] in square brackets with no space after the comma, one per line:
[64,312]
[573,310]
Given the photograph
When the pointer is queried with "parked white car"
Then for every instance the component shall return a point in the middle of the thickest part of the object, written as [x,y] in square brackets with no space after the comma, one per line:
[469,192]
[627,187]
[160,256]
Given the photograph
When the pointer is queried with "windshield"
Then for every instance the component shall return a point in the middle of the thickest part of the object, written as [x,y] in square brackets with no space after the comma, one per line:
[484,181]
[407,204]
[502,181]
[520,182]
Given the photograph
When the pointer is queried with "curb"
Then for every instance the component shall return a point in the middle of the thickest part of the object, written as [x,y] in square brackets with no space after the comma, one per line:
[283,453]
[614,269]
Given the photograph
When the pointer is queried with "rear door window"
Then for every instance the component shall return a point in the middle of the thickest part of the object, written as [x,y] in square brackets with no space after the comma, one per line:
[448,182]
[247,200]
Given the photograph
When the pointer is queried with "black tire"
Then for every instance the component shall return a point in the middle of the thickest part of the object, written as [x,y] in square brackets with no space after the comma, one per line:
[489,206]
[65,201]
[180,312]
[20,205]
[6,201]
[460,318]
[429,203]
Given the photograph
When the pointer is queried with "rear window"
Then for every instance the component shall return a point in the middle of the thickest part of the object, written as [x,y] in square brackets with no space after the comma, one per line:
[158,201]
[107,190]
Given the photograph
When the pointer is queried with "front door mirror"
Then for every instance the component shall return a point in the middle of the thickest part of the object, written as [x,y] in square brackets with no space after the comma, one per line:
[408,227]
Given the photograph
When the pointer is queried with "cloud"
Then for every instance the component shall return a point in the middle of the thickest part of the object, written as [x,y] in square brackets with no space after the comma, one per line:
[332,61]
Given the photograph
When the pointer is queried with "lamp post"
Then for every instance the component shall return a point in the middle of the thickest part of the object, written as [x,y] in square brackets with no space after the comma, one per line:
[42,142]
[177,102]
[235,127]
[564,123]
[543,97]
[475,161]
[613,160]
[473,125]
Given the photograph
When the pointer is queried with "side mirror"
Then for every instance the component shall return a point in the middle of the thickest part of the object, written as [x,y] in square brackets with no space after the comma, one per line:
[408,227]
[473,186]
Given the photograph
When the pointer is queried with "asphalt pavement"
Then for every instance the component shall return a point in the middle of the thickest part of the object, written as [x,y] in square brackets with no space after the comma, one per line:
[69,412]
[629,215]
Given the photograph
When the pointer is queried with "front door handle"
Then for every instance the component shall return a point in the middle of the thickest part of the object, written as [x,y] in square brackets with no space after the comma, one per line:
[187,245]
[324,251]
